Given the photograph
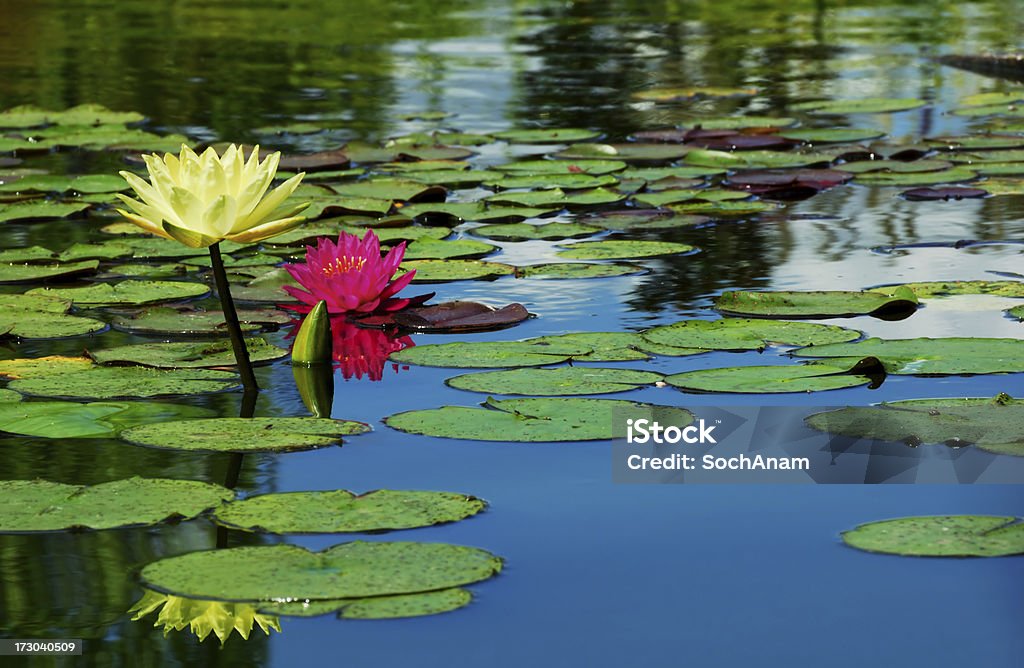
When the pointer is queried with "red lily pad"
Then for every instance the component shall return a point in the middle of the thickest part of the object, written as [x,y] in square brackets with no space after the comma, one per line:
[946,193]
[460,316]
[787,184]
[315,162]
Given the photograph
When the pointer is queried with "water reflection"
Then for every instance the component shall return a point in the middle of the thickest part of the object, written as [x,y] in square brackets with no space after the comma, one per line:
[176,613]
[361,352]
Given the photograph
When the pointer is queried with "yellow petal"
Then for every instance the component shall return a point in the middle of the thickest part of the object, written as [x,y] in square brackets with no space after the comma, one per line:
[219,217]
[143,189]
[188,237]
[265,231]
[276,197]
[147,225]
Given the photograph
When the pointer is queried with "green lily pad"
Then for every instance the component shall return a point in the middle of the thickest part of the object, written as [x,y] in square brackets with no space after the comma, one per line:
[651,174]
[574,270]
[265,288]
[430,249]
[40,505]
[164,321]
[157,248]
[148,271]
[722,209]
[454,178]
[547,135]
[63,419]
[954,175]
[27,254]
[525,231]
[754,159]
[740,122]
[996,425]
[535,167]
[103,251]
[244,434]
[672,196]
[9,396]
[864,105]
[85,184]
[687,93]
[744,334]
[343,512]
[976,142]
[558,382]
[39,210]
[622,250]
[442,271]
[488,354]
[1015,312]
[895,166]
[388,189]
[832,135]
[473,212]
[126,293]
[614,346]
[186,354]
[942,536]
[531,420]
[631,152]
[289,573]
[983,157]
[307,234]
[125,382]
[556,198]
[820,304]
[1001,97]
[563,181]
[768,379]
[32,273]
[643,219]
[377,607]
[41,317]
[928,290]
[925,356]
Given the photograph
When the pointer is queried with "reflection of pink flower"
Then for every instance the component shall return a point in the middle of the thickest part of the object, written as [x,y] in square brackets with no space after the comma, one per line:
[351,276]
[364,352]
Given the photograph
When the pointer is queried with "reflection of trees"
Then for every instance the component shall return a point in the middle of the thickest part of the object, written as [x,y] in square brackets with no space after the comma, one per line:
[226,66]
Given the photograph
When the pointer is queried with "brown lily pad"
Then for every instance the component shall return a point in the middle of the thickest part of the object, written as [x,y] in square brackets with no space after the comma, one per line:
[945,193]
[461,316]
[315,162]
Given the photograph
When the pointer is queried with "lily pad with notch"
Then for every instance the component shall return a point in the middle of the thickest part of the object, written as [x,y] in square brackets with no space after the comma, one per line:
[130,292]
[578,270]
[622,249]
[747,334]
[186,354]
[926,356]
[242,435]
[341,511]
[376,607]
[63,419]
[558,382]
[780,378]
[895,305]
[460,316]
[941,536]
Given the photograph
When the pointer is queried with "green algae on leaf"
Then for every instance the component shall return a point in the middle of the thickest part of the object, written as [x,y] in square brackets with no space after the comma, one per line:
[129,292]
[928,290]
[769,379]
[39,505]
[546,135]
[621,249]
[575,270]
[442,271]
[36,209]
[745,334]
[996,425]
[244,434]
[832,135]
[63,419]
[526,231]
[34,273]
[348,570]
[594,167]
[818,304]
[186,354]
[928,356]
[557,382]
[42,317]
[166,321]
[341,511]
[431,249]
[376,607]
[941,536]
[532,420]
[98,382]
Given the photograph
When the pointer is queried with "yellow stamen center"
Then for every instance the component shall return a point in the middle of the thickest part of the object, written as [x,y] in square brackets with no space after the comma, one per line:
[344,265]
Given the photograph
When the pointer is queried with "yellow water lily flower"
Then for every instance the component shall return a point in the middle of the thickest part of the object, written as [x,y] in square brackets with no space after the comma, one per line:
[200,200]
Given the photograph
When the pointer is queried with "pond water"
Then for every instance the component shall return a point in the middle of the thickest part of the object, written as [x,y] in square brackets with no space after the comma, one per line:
[596,574]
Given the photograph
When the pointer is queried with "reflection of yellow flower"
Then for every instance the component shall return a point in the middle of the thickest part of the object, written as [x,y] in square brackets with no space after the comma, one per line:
[202,199]
[202,616]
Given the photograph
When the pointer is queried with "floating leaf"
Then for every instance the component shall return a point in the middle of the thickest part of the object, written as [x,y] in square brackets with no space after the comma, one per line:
[832,135]
[558,382]
[573,270]
[96,382]
[928,290]
[344,512]
[266,288]
[42,317]
[643,219]
[925,356]
[62,419]
[378,607]
[525,231]
[740,122]
[32,273]
[613,346]
[39,210]
[440,271]
[39,505]
[943,536]
[488,354]
[460,316]
[954,175]
[546,135]
[532,420]
[621,249]
[631,152]
[164,321]
[564,181]
[535,167]
[288,572]
[864,105]
[820,304]
[556,198]
[680,94]
[769,379]
[186,354]
[996,425]
[474,212]
[244,434]
[743,334]
[754,159]
[125,293]
[942,194]
[664,197]
[430,249]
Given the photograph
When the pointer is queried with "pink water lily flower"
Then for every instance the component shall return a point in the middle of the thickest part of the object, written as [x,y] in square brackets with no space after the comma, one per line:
[351,276]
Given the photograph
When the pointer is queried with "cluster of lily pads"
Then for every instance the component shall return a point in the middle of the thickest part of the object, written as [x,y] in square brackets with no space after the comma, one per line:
[603,205]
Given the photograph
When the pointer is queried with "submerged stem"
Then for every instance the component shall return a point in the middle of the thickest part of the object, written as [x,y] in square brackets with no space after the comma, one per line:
[231,318]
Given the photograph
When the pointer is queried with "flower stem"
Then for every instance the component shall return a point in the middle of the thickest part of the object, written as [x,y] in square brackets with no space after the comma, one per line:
[231,318]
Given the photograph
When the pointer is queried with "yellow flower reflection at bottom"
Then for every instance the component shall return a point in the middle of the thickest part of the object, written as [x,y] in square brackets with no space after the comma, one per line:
[202,617]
